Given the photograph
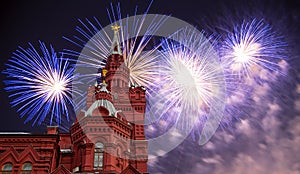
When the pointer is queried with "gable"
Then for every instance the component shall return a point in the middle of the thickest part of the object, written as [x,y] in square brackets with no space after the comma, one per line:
[61,170]
[130,170]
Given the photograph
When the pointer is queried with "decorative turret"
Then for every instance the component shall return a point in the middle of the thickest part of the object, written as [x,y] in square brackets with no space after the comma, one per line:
[103,99]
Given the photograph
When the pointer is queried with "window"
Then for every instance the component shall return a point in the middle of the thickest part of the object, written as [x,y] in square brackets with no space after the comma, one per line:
[7,168]
[98,156]
[27,168]
[118,157]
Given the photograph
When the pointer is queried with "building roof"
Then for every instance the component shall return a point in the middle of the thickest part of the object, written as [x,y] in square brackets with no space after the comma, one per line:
[66,150]
[130,170]
[103,103]
[15,133]
[61,169]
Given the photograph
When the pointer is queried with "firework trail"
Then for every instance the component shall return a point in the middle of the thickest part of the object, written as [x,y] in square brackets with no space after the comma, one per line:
[191,88]
[39,83]
[135,37]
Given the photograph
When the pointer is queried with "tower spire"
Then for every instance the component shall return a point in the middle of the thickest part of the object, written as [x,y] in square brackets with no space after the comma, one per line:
[115,46]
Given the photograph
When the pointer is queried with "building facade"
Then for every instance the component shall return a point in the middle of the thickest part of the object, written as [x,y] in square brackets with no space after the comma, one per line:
[106,138]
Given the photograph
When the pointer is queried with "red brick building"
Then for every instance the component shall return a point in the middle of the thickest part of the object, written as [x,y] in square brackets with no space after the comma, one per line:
[106,138]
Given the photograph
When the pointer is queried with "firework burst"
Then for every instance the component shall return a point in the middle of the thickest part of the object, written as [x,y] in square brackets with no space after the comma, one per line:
[252,46]
[252,54]
[191,84]
[135,36]
[39,83]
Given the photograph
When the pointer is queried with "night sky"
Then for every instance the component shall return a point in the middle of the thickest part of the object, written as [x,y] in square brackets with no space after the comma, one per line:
[49,21]
[267,140]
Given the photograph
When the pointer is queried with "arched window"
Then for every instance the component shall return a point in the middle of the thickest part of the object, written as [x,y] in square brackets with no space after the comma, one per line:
[7,168]
[98,156]
[26,168]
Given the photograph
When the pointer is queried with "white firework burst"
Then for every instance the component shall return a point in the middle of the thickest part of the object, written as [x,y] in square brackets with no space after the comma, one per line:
[191,82]
[252,46]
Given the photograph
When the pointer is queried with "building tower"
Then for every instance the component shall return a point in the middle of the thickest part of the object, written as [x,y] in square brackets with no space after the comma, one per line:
[109,136]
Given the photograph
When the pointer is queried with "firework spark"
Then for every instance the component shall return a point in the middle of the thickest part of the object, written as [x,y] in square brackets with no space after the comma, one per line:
[39,83]
[191,83]
[251,47]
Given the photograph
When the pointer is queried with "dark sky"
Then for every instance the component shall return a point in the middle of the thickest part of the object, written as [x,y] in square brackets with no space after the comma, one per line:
[29,21]
[48,21]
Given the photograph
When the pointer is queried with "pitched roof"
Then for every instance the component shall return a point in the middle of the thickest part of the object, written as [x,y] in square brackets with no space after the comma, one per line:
[61,170]
[130,170]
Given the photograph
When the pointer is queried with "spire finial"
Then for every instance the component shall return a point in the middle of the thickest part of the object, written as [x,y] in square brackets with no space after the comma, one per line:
[104,71]
[115,47]
[115,28]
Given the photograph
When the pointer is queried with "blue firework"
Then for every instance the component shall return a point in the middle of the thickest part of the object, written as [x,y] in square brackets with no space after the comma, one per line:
[251,47]
[38,81]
